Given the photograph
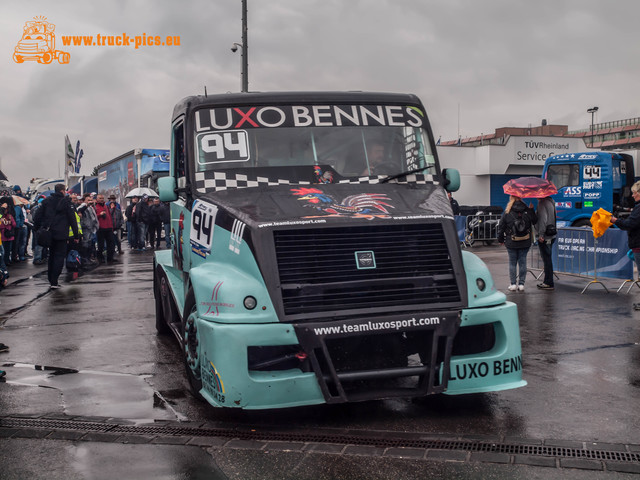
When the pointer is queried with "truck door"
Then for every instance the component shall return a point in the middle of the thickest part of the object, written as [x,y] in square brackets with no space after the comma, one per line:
[566,178]
[180,215]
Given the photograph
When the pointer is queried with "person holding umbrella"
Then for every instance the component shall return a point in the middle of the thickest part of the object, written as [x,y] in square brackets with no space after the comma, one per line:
[514,231]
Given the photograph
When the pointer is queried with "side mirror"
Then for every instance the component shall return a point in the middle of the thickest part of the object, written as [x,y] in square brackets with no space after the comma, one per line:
[451,179]
[167,189]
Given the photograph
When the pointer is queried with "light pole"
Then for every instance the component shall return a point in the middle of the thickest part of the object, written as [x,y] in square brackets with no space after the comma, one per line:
[244,46]
[592,111]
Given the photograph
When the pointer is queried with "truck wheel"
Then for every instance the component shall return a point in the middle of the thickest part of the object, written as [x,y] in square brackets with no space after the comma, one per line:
[164,303]
[18,58]
[190,340]
[64,57]
[583,222]
[46,58]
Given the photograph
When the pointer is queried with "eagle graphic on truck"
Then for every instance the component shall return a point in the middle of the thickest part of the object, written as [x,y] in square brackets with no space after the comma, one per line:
[302,273]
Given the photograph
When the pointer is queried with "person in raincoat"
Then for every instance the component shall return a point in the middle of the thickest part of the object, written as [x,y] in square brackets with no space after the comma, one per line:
[632,225]
[546,236]
[514,231]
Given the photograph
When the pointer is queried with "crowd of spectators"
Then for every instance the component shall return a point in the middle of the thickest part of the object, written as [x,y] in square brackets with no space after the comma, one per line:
[101,224]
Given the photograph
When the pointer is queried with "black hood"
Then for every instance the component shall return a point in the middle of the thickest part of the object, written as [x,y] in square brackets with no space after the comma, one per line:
[300,204]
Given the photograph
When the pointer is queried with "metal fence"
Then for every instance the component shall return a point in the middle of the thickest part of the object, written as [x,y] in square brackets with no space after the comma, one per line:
[481,228]
[577,253]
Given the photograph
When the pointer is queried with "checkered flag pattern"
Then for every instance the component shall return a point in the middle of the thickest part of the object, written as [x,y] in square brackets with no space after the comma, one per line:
[214,181]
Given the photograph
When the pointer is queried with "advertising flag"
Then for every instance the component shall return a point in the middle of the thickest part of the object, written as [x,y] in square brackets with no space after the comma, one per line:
[69,154]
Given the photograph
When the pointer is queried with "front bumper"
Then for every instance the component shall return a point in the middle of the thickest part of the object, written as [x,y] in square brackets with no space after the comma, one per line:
[228,380]
[500,367]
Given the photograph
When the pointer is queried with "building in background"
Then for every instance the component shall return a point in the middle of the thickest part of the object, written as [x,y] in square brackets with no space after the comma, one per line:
[487,162]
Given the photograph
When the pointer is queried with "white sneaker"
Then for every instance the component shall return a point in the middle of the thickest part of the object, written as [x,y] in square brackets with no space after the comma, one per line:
[513,288]
[521,288]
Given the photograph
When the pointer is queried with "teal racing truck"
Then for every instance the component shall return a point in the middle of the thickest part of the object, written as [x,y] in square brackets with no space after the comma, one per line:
[315,257]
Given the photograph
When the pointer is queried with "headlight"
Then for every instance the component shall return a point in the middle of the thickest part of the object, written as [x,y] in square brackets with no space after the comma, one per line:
[481,284]
[250,302]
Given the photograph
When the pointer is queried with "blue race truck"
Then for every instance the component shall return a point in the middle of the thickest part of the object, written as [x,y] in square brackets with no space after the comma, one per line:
[315,257]
[588,181]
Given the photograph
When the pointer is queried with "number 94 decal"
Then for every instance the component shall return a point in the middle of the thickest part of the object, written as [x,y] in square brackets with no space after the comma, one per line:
[203,220]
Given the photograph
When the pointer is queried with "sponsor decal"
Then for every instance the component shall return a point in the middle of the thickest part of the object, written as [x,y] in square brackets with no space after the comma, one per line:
[363,205]
[592,194]
[237,231]
[203,220]
[597,185]
[377,326]
[322,177]
[467,371]
[563,205]
[587,156]
[572,192]
[247,117]
[212,306]
[212,382]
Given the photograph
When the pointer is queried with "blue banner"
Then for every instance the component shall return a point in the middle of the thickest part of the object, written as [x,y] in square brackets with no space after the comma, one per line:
[461,222]
[576,251]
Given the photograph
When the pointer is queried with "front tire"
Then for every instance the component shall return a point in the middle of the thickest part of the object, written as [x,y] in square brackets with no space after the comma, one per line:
[164,303]
[190,342]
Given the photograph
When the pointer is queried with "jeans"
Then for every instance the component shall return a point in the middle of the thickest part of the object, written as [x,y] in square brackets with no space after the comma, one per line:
[2,265]
[132,234]
[20,245]
[545,254]
[142,235]
[517,262]
[116,240]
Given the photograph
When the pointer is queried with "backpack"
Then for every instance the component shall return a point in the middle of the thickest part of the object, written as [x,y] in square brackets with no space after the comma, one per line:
[73,261]
[521,231]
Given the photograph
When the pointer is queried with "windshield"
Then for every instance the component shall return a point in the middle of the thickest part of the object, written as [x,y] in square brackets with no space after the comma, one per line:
[311,149]
[563,175]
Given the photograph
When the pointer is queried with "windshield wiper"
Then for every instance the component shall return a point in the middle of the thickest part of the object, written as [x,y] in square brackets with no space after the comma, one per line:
[404,174]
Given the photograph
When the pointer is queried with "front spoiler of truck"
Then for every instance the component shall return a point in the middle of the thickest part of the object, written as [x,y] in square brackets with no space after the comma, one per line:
[229,382]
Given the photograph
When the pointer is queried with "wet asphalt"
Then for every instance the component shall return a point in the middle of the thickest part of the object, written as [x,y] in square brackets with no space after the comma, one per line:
[89,354]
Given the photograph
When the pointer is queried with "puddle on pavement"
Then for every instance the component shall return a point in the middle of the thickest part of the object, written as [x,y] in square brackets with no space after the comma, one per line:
[95,393]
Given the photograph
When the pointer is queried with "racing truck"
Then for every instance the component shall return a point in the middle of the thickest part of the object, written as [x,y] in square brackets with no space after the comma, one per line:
[315,257]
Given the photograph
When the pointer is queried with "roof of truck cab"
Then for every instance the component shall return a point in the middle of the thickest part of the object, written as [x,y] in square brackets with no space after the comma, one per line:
[271,98]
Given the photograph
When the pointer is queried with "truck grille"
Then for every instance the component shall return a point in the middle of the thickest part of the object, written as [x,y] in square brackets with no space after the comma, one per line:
[409,266]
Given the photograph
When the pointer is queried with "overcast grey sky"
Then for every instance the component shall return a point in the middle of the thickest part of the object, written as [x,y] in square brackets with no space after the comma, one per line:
[476,65]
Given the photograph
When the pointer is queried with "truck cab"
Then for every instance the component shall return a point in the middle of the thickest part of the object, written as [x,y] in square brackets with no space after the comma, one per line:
[315,257]
[589,181]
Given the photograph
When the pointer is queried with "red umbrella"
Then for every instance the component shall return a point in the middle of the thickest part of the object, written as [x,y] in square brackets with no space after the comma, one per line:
[530,187]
